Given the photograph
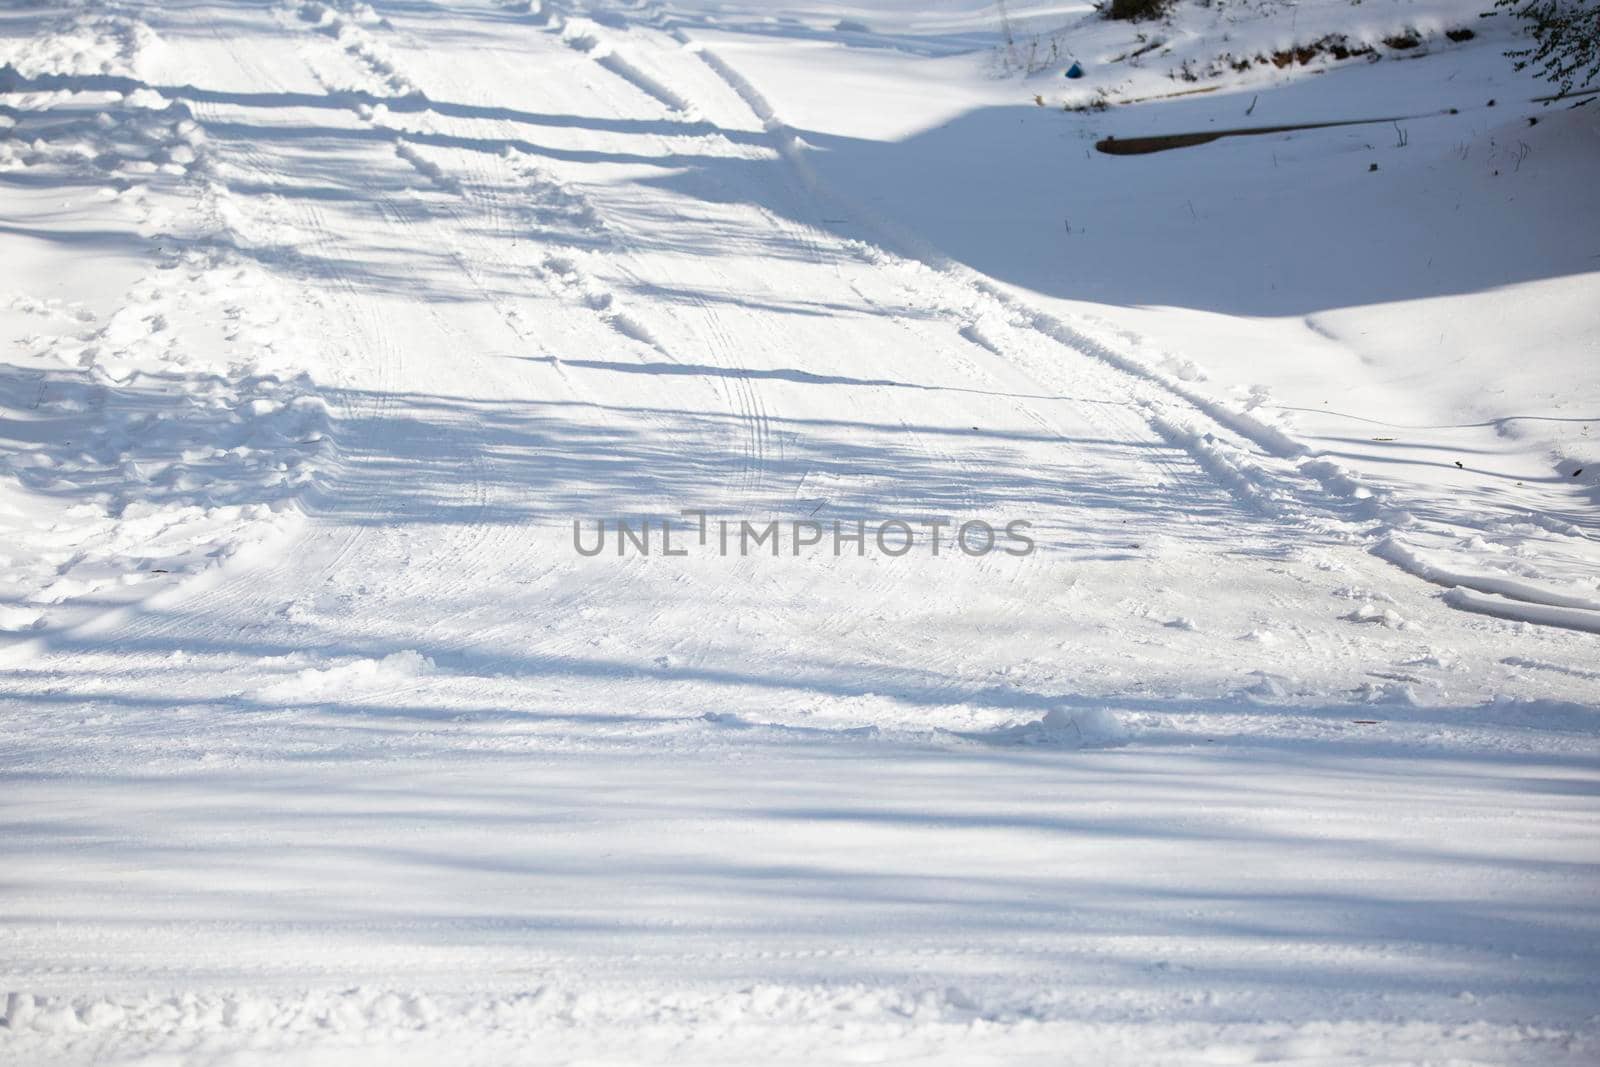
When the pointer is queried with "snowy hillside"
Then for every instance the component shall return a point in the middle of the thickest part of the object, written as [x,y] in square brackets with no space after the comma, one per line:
[732,532]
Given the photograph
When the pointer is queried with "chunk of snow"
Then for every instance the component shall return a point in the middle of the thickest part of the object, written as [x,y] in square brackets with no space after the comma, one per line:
[1070,727]
[357,676]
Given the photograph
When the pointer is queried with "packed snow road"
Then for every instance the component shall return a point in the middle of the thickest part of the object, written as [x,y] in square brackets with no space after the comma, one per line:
[326,738]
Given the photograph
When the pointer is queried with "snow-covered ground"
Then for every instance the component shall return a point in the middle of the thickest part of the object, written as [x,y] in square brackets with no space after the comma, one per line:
[323,742]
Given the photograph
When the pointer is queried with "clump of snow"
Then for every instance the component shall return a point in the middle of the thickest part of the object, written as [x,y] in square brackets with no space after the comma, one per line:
[1070,728]
[1268,686]
[1368,612]
[1388,692]
[1182,369]
[357,676]
[16,620]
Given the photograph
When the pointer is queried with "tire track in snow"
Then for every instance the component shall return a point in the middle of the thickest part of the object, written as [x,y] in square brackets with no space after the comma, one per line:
[746,397]
[804,235]
[880,582]
[561,270]
[1175,473]
[465,539]
[789,149]
[367,536]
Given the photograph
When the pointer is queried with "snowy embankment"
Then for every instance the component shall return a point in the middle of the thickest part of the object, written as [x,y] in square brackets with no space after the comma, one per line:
[320,742]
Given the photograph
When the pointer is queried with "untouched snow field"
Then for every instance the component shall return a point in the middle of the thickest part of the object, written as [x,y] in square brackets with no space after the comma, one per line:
[323,742]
